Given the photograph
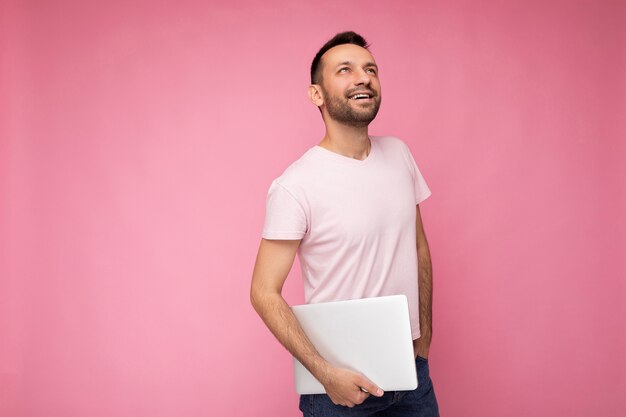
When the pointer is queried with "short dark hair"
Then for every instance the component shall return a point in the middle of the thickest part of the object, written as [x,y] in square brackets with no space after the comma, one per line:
[339,39]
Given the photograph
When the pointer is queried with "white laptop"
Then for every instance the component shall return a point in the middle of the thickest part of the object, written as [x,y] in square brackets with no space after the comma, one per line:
[370,335]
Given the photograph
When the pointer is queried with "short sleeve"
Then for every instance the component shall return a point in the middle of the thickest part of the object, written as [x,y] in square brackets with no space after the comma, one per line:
[422,192]
[284,216]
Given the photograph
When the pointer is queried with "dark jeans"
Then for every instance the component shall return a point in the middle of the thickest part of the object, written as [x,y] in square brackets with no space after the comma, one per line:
[420,402]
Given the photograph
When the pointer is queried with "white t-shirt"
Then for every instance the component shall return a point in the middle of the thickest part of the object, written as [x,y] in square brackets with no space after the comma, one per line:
[356,219]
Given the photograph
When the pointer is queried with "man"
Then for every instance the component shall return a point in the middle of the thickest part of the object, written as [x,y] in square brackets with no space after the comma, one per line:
[350,208]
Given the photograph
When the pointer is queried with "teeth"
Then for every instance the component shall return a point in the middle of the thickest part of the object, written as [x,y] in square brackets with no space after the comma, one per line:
[358,96]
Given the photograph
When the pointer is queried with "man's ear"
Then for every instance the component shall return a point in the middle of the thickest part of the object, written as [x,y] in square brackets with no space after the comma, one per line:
[315,95]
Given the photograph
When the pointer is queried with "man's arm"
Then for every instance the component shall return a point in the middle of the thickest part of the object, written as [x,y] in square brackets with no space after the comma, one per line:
[422,345]
[274,261]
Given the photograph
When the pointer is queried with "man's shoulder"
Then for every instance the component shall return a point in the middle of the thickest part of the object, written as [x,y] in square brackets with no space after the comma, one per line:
[299,170]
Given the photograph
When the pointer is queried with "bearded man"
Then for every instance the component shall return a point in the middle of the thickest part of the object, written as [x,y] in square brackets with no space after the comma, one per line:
[349,207]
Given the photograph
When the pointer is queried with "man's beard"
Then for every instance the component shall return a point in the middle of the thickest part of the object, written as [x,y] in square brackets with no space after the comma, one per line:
[341,111]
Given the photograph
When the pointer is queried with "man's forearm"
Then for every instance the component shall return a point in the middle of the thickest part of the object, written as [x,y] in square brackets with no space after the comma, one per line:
[425,293]
[281,321]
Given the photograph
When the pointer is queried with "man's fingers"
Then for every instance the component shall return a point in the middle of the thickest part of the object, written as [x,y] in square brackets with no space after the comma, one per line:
[350,388]
[370,388]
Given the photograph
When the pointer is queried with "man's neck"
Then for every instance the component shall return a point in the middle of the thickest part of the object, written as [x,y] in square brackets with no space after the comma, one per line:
[349,141]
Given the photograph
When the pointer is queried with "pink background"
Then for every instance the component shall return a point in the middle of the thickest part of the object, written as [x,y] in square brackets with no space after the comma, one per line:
[138,142]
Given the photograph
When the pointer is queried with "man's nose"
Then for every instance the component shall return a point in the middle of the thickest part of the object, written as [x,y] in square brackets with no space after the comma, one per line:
[363,78]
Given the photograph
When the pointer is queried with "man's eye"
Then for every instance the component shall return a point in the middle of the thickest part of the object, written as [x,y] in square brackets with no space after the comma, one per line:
[344,69]
[371,70]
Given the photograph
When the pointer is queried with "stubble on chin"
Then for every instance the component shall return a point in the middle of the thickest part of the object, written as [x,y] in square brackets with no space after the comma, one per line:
[342,112]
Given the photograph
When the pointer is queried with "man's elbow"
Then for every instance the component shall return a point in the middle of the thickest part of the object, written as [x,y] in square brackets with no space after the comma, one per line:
[255,297]
[261,297]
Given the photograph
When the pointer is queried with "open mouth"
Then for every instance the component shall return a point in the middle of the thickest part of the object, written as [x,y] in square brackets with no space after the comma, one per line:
[361,96]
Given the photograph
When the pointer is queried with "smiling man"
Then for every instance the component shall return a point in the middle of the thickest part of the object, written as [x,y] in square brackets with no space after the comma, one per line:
[349,207]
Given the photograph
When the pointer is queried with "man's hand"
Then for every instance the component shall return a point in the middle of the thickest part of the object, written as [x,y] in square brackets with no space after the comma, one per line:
[345,387]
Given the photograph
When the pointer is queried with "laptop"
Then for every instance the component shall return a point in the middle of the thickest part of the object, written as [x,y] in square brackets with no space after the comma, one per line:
[370,335]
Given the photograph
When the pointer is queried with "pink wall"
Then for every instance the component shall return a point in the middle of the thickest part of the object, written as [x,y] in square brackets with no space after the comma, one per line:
[138,143]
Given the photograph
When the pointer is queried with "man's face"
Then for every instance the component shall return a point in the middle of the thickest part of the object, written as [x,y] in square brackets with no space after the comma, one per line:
[350,85]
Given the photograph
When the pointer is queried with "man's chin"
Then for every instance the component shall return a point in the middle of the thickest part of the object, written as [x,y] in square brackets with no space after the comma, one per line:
[354,115]
[357,122]
[366,118]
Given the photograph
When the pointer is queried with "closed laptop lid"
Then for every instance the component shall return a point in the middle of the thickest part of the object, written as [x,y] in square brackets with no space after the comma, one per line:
[370,335]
